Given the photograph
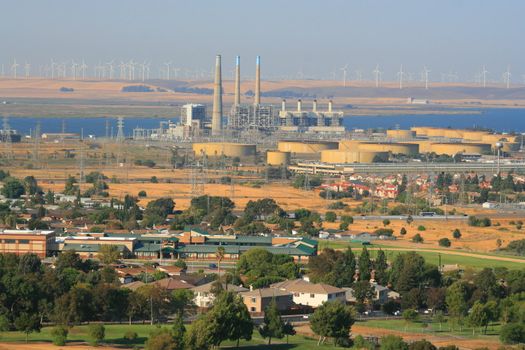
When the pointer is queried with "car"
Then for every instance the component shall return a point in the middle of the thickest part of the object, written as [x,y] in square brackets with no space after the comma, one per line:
[212,266]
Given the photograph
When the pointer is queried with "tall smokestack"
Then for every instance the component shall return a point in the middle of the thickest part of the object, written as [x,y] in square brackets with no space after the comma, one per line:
[314,106]
[257,100]
[330,103]
[283,105]
[299,105]
[216,116]
[237,80]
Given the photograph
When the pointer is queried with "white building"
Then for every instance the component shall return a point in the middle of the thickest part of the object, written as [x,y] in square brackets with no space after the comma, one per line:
[203,296]
[193,115]
[311,294]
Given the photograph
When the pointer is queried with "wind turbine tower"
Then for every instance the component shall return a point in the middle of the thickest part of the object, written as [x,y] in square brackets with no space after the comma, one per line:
[484,76]
[425,74]
[7,141]
[344,69]
[400,74]
[506,77]
[14,68]
[168,65]
[377,74]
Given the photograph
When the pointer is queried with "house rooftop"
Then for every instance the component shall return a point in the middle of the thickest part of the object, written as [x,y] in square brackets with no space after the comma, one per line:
[265,293]
[206,288]
[302,286]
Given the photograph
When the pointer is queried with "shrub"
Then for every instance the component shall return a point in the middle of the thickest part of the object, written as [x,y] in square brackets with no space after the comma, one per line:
[417,238]
[343,226]
[347,218]
[445,242]
[456,234]
[59,335]
[421,228]
[403,231]
[512,333]
[337,205]
[384,232]
[130,336]
[154,180]
[477,222]
[330,216]
[97,333]
[142,194]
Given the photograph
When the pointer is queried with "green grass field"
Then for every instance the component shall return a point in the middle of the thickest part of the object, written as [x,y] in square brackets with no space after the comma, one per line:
[433,256]
[115,334]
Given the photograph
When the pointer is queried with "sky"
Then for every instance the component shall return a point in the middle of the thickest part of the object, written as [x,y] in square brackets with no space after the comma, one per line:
[295,38]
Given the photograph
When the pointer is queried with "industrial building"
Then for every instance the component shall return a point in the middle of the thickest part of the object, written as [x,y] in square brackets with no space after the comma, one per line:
[227,149]
[39,242]
[317,121]
[256,116]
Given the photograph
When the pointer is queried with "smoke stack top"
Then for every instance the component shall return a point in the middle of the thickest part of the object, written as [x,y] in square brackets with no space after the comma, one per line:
[237,100]
[257,99]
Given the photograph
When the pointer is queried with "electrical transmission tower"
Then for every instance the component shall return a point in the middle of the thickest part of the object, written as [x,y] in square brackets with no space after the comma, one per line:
[198,173]
[120,130]
[8,146]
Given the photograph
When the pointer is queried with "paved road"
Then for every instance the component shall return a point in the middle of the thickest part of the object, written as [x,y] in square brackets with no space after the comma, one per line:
[415,217]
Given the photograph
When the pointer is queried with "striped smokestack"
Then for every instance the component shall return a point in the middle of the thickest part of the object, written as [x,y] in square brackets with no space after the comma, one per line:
[257,100]
[237,81]
[216,116]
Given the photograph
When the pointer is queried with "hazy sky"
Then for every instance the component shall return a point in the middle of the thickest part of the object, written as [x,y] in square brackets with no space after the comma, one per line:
[315,37]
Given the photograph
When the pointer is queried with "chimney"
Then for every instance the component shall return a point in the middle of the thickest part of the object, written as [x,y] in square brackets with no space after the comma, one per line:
[299,105]
[283,105]
[257,99]
[314,106]
[216,116]
[237,80]
[330,106]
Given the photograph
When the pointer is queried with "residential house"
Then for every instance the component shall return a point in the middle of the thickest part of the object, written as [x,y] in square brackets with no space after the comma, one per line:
[257,300]
[310,294]
[203,296]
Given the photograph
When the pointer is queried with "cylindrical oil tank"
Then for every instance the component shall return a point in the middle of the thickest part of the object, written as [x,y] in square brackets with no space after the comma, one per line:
[455,148]
[228,149]
[401,134]
[453,133]
[420,130]
[341,157]
[348,145]
[493,138]
[278,158]
[395,148]
[305,147]
[424,146]
[469,135]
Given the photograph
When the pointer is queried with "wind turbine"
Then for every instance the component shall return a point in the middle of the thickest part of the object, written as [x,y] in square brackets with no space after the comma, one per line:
[14,67]
[400,74]
[143,66]
[111,68]
[27,70]
[377,74]
[168,64]
[74,66]
[506,77]
[484,76]
[425,75]
[83,68]
[52,69]
[344,69]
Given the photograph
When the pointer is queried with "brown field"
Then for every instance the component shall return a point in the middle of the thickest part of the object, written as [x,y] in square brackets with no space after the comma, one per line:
[108,94]
[49,346]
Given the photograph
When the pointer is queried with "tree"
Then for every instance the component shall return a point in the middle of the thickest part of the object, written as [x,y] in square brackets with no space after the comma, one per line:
[386,222]
[332,319]
[31,185]
[288,330]
[27,323]
[178,331]
[409,315]
[364,265]
[380,268]
[393,342]
[273,326]
[479,316]
[421,345]
[59,335]
[456,300]
[97,333]
[162,339]
[70,187]
[109,254]
[330,216]
[417,238]
[487,284]
[363,292]
[512,333]
[333,267]
[220,253]
[12,188]
[444,242]
[456,234]
[410,219]
[403,231]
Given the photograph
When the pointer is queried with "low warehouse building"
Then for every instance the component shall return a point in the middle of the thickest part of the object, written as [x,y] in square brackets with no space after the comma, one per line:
[228,149]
